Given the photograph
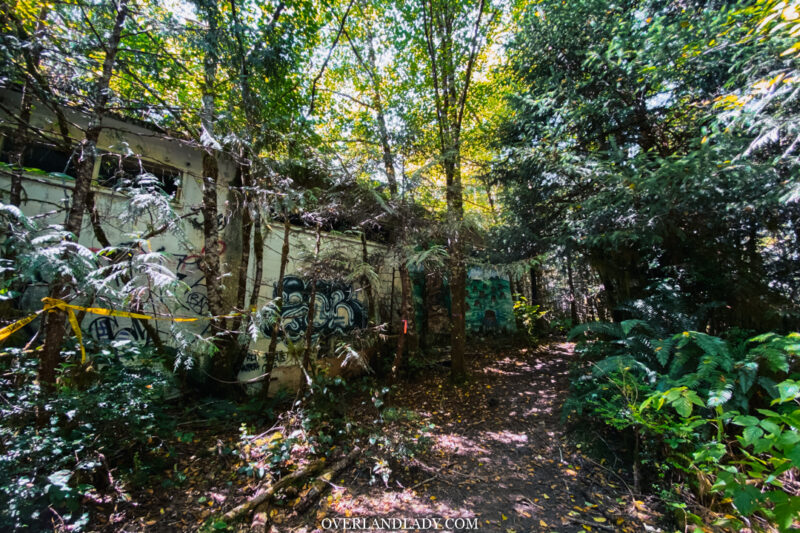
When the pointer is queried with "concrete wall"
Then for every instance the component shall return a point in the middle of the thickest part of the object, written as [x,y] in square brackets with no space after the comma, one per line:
[339,307]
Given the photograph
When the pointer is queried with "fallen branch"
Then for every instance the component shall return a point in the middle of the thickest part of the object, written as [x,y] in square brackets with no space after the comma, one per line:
[248,506]
[592,524]
[423,482]
[320,485]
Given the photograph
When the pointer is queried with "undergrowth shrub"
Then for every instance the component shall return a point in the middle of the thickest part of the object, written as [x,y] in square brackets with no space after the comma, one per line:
[58,452]
[531,318]
[717,413]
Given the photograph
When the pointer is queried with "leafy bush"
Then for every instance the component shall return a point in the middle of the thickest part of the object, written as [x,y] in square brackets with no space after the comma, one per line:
[57,451]
[531,317]
[731,426]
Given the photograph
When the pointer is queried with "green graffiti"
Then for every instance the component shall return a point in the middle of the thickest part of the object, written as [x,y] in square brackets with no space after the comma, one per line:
[489,306]
[490,309]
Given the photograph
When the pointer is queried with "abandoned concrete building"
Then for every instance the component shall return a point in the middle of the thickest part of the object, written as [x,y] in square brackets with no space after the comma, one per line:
[138,148]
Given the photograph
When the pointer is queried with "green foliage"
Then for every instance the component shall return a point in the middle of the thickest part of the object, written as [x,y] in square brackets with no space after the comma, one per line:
[631,124]
[32,254]
[722,411]
[58,450]
[531,317]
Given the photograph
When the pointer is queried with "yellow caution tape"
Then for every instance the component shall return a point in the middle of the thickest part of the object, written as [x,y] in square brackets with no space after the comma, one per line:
[54,303]
[19,324]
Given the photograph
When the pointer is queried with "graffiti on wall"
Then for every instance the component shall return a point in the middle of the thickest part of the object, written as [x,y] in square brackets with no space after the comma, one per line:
[431,295]
[188,298]
[336,309]
[490,309]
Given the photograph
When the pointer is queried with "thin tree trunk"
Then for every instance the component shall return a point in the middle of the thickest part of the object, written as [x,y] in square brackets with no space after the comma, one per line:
[405,316]
[573,307]
[258,250]
[458,335]
[373,308]
[247,232]
[54,321]
[438,23]
[222,364]
[391,303]
[412,341]
[20,142]
[312,305]
[388,157]
[273,341]
[211,260]
[458,273]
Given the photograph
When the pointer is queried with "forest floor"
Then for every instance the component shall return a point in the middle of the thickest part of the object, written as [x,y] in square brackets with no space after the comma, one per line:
[498,455]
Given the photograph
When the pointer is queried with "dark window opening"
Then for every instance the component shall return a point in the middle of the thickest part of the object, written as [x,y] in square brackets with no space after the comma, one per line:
[117,171]
[41,157]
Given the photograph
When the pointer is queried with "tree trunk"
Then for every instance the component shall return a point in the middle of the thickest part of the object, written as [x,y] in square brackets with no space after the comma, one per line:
[20,142]
[247,232]
[222,364]
[312,304]
[373,308]
[458,272]
[458,335]
[438,21]
[573,306]
[54,322]
[412,340]
[258,249]
[391,304]
[273,341]
[210,259]
[388,157]
[406,309]
[222,367]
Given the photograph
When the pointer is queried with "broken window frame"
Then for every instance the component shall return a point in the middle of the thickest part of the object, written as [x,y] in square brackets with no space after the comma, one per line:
[30,171]
[65,179]
[147,166]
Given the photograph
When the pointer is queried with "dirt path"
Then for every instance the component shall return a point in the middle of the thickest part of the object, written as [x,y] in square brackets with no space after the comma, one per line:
[499,459]
[496,459]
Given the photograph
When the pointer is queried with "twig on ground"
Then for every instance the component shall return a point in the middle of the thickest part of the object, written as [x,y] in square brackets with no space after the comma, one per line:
[592,524]
[423,482]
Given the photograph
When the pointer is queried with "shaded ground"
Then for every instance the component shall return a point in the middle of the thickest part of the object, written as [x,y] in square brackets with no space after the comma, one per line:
[497,457]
